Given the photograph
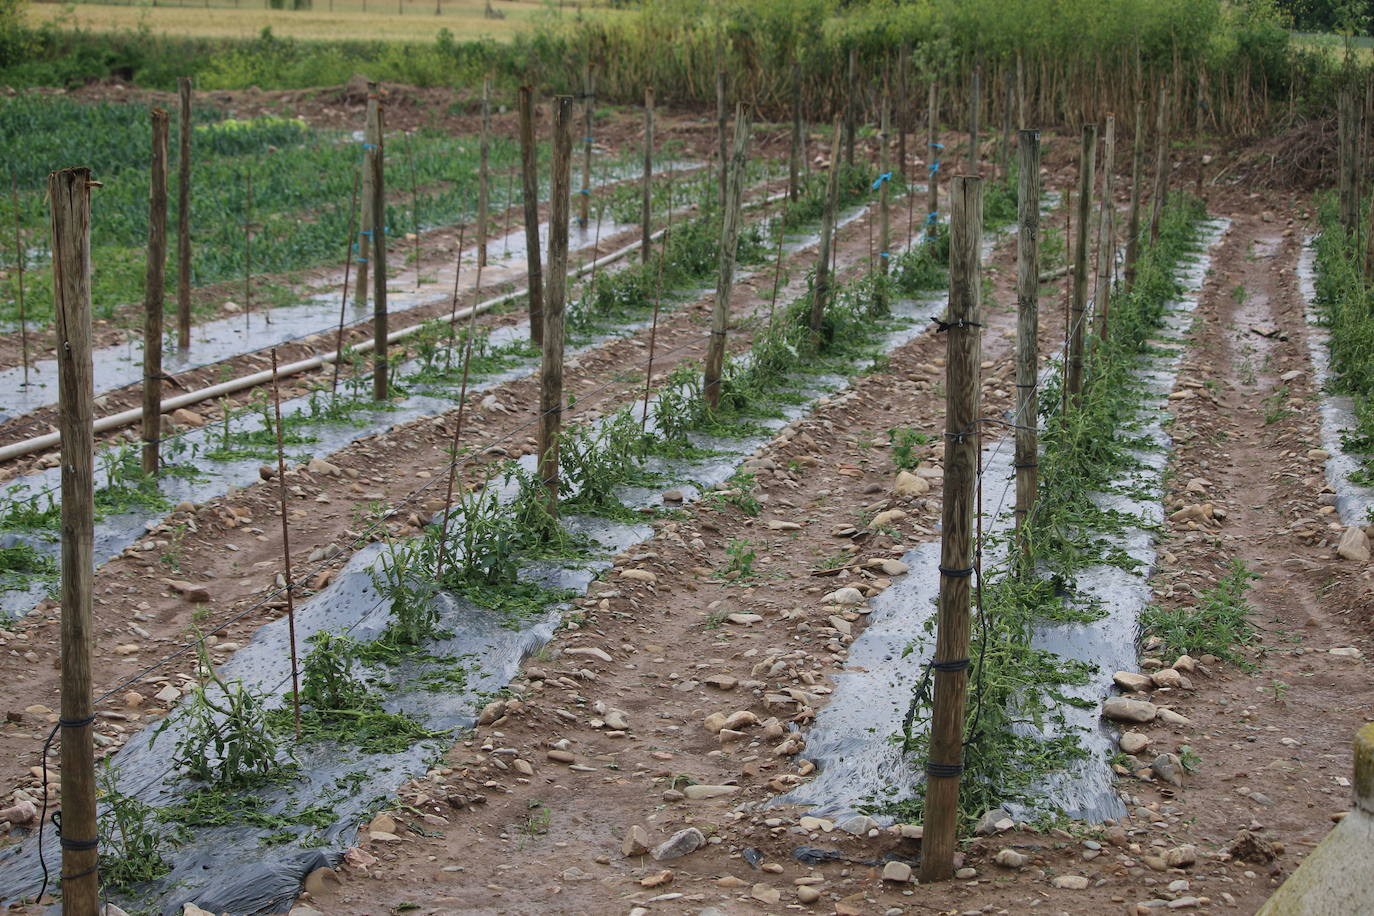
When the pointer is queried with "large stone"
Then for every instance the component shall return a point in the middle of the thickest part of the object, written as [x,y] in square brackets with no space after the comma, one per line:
[1070,882]
[184,417]
[636,842]
[196,594]
[680,844]
[1133,742]
[847,596]
[1167,768]
[898,872]
[993,821]
[1122,709]
[858,825]
[1131,682]
[766,893]
[1354,545]
[887,518]
[1166,677]
[1181,856]
[909,485]
[1010,858]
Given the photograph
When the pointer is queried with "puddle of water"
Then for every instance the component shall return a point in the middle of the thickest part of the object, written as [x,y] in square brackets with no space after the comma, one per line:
[859,764]
[1354,503]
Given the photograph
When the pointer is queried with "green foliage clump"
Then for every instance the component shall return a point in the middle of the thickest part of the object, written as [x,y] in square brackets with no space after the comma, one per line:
[1218,624]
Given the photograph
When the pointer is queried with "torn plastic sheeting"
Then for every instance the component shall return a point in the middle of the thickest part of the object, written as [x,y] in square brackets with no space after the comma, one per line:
[1354,503]
[860,764]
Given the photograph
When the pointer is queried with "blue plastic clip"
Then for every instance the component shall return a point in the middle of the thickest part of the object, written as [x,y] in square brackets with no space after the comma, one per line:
[587,191]
[884,254]
[932,217]
[935,166]
[877,182]
[937,146]
[370,146]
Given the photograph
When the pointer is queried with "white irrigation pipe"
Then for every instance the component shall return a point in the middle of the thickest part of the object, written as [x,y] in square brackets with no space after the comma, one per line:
[124,418]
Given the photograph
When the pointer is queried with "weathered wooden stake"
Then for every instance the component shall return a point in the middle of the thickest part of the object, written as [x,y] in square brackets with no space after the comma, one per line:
[248,245]
[19,258]
[951,659]
[729,240]
[468,339]
[903,120]
[885,173]
[551,371]
[796,153]
[975,103]
[722,141]
[820,290]
[153,291]
[282,499]
[184,216]
[529,186]
[851,106]
[1161,192]
[377,164]
[1073,373]
[647,205]
[1027,460]
[343,293]
[367,220]
[414,203]
[1106,230]
[484,173]
[70,196]
[509,207]
[1133,218]
[933,147]
[588,107]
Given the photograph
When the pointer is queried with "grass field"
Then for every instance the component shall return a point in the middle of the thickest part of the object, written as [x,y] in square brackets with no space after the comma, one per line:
[400,20]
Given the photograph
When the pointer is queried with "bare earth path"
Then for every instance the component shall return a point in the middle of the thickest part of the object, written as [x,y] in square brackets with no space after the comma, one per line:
[519,832]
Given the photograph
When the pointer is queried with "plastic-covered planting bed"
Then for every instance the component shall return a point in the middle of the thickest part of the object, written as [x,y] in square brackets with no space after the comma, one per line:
[856,739]
[115,532]
[1354,502]
[225,338]
[231,867]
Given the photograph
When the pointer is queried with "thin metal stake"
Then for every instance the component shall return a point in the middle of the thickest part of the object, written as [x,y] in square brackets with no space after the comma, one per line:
[286,553]
[343,298]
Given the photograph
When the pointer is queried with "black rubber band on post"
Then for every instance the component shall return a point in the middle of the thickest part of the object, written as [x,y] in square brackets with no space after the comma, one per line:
[718,333]
[958,664]
[81,874]
[942,326]
[78,845]
[956,573]
[1030,464]
[76,723]
[944,770]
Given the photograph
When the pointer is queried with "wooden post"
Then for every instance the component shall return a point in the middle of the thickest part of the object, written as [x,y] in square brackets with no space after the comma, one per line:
[377,164]
[722,144]
[529,186]
[1073,373]
[154,281]
[975,102]
[286,551]
[956,549]
[1106,230]
[248,245]
[1027,326]
[1004,166]
[588,107]
[415,202]
[366,221]
[796,154]
[646,207]
[70,196]
[1344,136]
[1161,192]
[820,291]
[19,258]
[933,148]
[184,216]
[903,120]
[1133,218]
[483,175]
[729,239]
[885,172]
[551,371]
[851,106]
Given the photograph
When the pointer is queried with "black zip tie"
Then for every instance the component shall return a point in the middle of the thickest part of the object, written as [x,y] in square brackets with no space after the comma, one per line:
[941,326]
[944,770]
[159,377]
[958,664]
[956,573]
[76,723]
[718,333]
[1028,464]
[1035,384]
[81,874]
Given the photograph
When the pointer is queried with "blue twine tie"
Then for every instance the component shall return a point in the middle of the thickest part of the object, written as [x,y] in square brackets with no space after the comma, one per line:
[877,182]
